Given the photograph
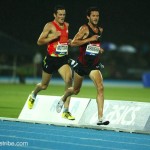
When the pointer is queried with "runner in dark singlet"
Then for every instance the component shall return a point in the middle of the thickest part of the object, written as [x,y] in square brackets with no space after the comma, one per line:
[88,40]
[89,60]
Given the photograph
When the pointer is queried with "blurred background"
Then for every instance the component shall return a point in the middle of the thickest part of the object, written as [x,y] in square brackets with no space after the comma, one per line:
[126,36]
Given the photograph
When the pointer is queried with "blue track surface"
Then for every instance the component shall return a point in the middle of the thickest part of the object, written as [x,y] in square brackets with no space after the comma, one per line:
[49,137]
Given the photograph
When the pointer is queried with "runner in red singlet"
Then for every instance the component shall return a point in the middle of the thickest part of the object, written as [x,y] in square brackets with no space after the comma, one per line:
[55,36]
[88,40]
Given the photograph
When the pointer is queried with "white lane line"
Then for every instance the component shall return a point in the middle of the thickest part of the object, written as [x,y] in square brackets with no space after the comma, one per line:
[67,142]
[81,132]
[76,137]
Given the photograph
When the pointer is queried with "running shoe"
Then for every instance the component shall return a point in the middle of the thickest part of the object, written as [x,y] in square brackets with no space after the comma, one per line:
[31,101]
[67,115]
[59,106]
[102,122]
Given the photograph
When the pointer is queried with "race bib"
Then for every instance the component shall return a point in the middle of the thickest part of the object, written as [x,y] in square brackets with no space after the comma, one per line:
[92,49]
[62,49]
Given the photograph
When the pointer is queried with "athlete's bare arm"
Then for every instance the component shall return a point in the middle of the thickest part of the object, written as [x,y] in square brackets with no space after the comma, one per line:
[101,49]
[48,34]
[81,37]
[69,40]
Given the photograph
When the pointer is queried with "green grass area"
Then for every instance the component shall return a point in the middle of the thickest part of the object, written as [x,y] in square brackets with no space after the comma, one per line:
[14,96]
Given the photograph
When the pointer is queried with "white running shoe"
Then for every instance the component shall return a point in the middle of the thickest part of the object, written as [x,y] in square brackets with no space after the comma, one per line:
[102,122]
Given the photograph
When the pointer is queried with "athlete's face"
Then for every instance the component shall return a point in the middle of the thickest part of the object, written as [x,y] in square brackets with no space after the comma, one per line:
[60,16]
[94,17]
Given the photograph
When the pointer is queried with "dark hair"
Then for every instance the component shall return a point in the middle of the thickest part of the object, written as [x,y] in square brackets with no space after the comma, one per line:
[88,12]
[58,7]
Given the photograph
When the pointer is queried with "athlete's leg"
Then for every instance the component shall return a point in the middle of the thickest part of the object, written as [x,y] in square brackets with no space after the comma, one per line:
[40,86]
[70,91]
[77,83]
[76,87]
[43,84]
[97,78]
[66,74]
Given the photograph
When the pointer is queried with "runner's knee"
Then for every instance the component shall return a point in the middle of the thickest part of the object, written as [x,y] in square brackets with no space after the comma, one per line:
[68,81]
[42,86]
[76,91]
[101,88]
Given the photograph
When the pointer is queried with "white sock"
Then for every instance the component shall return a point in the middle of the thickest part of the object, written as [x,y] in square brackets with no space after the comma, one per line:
[100,119]
[65,110]
[33,95]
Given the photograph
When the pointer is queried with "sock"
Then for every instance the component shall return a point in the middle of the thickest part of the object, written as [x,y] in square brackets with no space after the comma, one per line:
[100,119]
[33,96]
[65,110]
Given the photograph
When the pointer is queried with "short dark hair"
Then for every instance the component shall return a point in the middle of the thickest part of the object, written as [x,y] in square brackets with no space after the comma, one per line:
[58,7]
[88,12]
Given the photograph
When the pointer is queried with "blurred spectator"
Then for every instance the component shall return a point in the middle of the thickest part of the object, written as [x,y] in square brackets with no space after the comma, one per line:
[127,49]
[109,46]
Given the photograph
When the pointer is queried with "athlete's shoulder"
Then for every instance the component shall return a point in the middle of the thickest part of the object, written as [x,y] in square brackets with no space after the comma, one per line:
[66,23]
[84,27]
[49,24]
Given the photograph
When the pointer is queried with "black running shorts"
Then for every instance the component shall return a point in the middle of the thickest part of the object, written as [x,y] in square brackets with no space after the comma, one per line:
[52,64]
[82,70]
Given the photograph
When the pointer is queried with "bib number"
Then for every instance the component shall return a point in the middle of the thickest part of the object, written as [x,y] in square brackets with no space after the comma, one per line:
[62,49]
[92,50]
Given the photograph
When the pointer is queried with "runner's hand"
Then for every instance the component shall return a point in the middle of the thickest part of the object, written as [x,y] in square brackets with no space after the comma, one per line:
[101,50]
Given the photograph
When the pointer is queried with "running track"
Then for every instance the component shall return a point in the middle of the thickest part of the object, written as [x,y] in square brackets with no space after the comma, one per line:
[50,137]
